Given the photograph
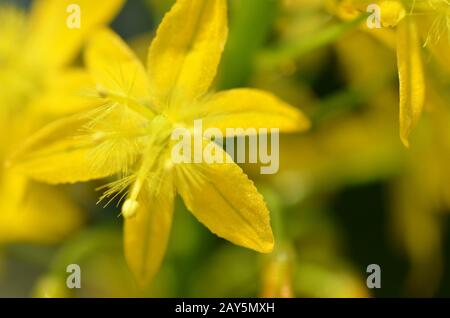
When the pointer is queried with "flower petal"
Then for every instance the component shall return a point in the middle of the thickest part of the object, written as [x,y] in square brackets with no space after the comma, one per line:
[79,148]
[115,68]
[68,93]
[247,108]
[412,82]
[42,215]
[52,41]
[222,197]
[185,54]
[147,233]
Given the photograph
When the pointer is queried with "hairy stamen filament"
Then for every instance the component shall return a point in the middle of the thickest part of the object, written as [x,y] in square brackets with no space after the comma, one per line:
[160,129]
[145,110]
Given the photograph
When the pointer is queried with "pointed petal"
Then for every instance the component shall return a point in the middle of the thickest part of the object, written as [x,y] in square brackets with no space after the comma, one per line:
[115,68]
[52,42]
[412,83]
[185,54]
[68,93]
[147,233]
[77,149]
[247,108]
[222,197]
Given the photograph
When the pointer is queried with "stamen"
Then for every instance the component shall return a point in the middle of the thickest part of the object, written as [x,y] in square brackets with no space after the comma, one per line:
[155,147]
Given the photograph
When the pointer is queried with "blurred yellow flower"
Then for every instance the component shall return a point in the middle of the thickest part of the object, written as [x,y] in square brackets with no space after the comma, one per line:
[363,149]
[130,135]
[421,195]
[37,85]
[410,20]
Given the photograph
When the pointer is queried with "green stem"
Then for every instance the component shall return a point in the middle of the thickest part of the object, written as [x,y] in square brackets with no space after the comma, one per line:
[286,52]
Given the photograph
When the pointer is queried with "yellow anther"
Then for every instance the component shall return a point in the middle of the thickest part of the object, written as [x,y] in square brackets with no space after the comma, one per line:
[168,165]
[99,136]
[392,12]
[129,208]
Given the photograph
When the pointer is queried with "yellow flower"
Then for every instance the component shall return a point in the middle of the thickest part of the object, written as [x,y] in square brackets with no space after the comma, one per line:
[409,21]
[130,135]
[36,85]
